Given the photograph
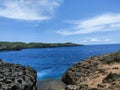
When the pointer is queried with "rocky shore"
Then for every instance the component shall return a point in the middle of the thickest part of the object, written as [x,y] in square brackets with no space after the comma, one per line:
[17,77]
[95,73]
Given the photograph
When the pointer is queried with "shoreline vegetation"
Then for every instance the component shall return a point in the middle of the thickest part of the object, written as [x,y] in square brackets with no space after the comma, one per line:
[9,46]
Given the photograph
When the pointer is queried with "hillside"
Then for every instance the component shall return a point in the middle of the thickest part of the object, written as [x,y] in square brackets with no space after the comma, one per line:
[6,46]
[95,73]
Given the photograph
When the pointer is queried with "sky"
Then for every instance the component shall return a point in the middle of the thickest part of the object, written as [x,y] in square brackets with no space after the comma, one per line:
[52,21]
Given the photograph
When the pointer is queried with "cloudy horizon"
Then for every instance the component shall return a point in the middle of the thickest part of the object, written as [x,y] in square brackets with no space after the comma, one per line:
[85,22]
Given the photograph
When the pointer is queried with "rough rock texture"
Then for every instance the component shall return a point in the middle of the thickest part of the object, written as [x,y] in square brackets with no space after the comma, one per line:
[17,77]
[95,73]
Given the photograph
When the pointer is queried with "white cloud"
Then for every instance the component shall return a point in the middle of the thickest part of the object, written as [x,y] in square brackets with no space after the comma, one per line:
[28,9]
[96,40]
[105,22]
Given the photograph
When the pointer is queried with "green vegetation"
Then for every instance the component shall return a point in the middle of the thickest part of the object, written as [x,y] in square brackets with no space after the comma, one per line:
[5,46]
[12,46]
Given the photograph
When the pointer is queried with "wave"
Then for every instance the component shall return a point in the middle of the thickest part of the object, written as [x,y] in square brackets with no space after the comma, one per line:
[43,73]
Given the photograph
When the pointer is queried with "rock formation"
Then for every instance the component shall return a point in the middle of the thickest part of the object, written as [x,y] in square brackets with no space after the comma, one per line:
[95,73]
[17,77]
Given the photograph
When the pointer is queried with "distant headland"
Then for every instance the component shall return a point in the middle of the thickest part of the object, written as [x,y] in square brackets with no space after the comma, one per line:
[8,46]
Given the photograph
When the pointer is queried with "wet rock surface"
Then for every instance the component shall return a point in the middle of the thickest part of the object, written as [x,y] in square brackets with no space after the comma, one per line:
[95,73]
[17,77]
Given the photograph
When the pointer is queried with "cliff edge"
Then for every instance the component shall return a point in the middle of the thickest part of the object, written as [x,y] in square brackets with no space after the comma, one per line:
[17,77]
[95,73]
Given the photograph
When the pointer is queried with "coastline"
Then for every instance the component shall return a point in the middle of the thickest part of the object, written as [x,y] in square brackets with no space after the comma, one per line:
[50,84]
[16,46]
[95,73]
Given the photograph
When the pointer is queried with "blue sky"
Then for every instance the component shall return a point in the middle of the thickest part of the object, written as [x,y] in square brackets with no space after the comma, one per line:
[78,21]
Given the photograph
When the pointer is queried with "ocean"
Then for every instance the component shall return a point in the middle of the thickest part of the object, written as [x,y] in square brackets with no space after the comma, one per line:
[53,62]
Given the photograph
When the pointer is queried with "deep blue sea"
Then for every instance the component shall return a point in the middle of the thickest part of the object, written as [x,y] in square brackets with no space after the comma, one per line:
[53,62]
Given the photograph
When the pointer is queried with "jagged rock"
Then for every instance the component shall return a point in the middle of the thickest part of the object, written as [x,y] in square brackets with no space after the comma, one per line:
[95,73]
[17,77]
[71,87]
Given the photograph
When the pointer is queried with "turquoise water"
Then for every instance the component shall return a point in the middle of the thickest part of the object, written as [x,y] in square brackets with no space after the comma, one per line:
[52,62]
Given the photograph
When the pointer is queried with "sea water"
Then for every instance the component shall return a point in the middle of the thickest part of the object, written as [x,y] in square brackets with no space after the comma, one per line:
[53,62]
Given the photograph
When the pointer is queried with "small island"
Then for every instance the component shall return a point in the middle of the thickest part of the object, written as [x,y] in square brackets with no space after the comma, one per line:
[8,46]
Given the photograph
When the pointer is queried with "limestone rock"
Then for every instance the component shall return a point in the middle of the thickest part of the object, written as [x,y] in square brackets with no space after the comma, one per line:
[95,73]
[17,77]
